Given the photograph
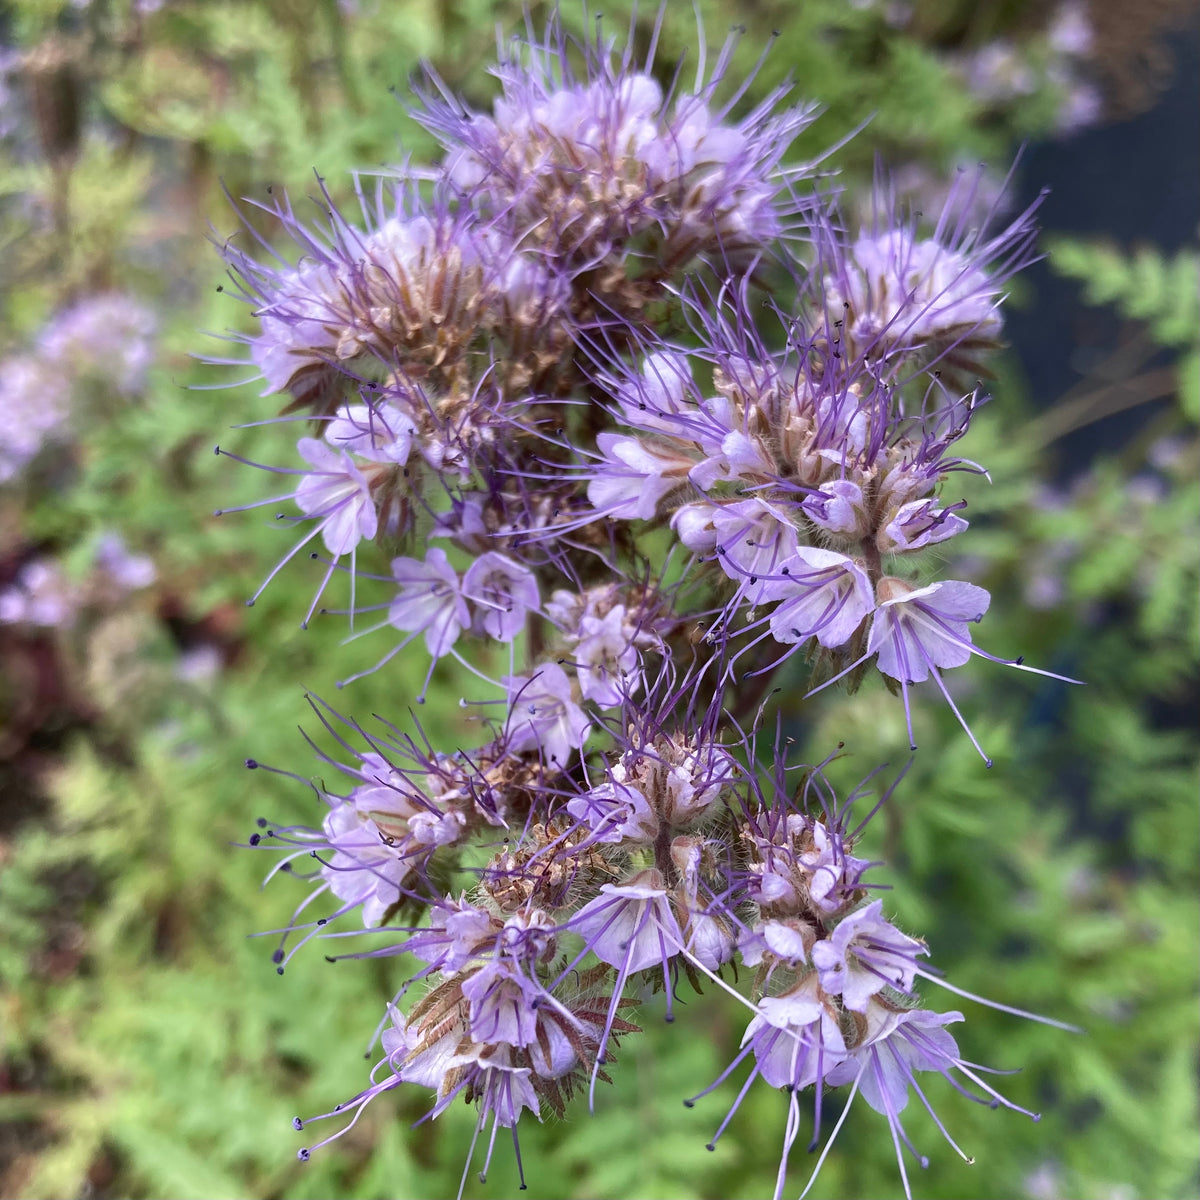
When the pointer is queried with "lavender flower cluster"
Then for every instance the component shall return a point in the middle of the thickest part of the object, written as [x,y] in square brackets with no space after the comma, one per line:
[622,488]
[99,348]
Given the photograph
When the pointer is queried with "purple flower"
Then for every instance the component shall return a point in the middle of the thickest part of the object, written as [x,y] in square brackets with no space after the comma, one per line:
[839,508]
[884,1063]
[41,595]
[543,715]
[127,571]
[337,493]
[430,601]
[917,524]
[633,476]
[820,594]
[34,406]
[415,286]
[587,168]
[916,631]
[795,1038]
[503,592]
[614,812]
[606,661]
[631,925]
[504,1004]
[864,954]
[891,296]
[379,835]
[754,540]
[109,336]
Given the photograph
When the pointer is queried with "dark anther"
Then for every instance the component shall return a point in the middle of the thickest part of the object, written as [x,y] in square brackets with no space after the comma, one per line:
[314,554]
[251,764]
[322,920]
[302,1155]
[255,839]
[297,1123]
[261,822]
[689,1104]
[220,287]
[278,970]
[277,957]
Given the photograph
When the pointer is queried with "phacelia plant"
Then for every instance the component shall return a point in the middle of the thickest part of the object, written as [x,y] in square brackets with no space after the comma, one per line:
[638,425]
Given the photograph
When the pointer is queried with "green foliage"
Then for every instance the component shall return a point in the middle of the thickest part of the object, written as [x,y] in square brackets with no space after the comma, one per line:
[1145,285]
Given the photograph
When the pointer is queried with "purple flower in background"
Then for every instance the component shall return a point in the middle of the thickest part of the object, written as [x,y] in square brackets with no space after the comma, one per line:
[34,407]
[128,571]
[109,337]
[41,595]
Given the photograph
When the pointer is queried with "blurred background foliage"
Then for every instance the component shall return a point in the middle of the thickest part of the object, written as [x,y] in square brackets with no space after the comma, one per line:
[148,1046]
